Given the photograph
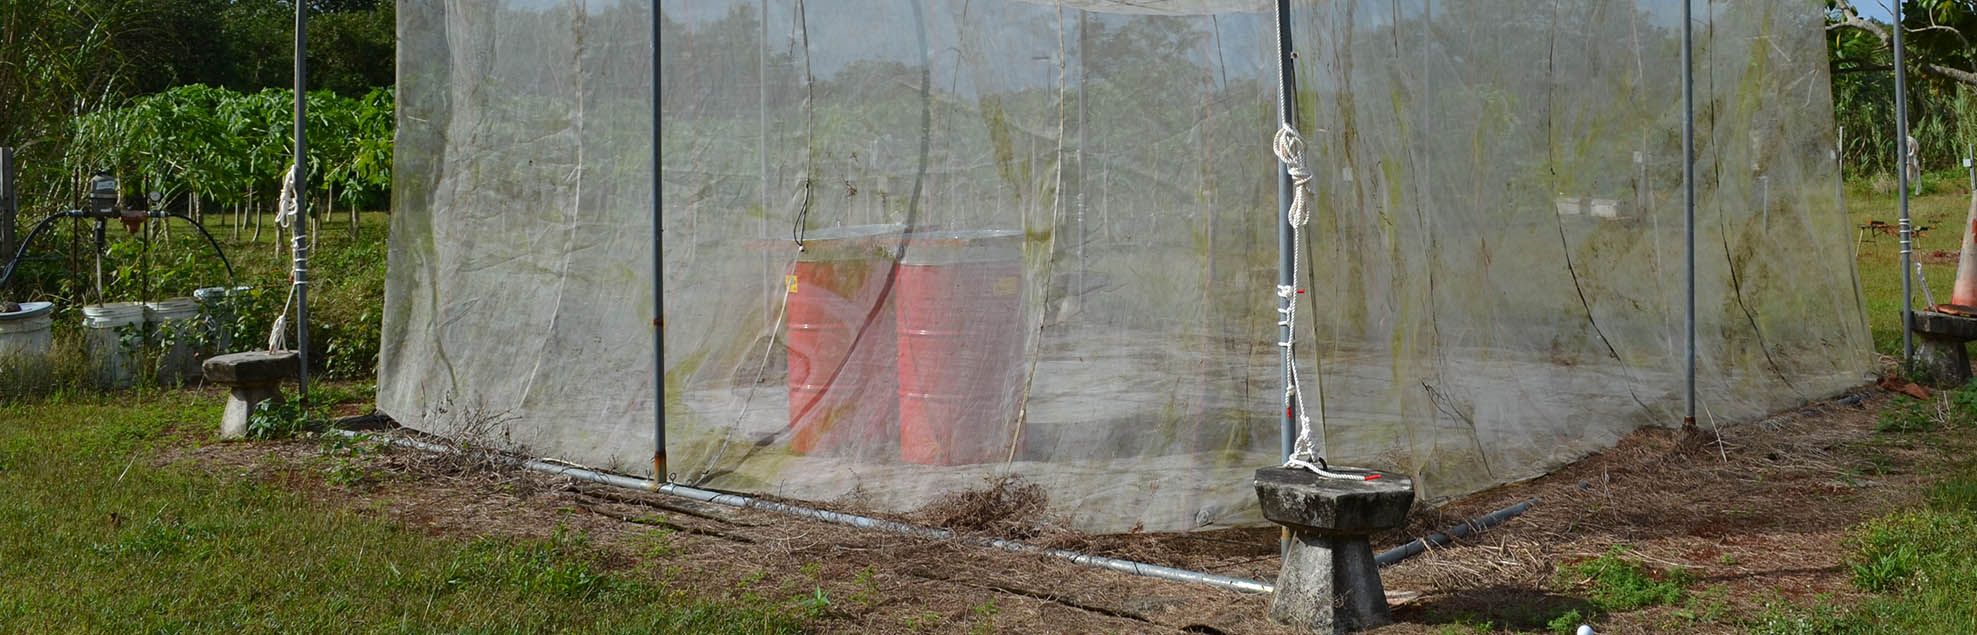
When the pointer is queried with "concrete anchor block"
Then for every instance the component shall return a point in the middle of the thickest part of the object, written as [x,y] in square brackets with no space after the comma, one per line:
[254,377]
[1329,582]
[1940,354]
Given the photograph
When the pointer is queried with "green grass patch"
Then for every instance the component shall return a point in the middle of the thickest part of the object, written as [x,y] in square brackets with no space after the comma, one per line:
[1615,582]
[97,536]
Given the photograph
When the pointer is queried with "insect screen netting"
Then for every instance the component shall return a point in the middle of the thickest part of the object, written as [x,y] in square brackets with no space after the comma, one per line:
[914,246]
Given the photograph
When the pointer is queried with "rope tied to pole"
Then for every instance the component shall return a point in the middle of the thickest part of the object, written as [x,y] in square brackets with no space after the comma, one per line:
[1289,146]
[286,216]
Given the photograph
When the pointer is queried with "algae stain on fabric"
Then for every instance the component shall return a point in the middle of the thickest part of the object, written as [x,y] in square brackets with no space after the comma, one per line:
[996,119]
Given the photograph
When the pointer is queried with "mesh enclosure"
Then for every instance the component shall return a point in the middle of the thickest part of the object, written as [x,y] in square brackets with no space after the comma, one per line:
[911,247]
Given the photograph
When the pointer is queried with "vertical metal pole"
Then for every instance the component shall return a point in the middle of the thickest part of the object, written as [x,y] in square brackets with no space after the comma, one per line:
[658,278]
[1286,115]
[1689,198]
[301,232]
[1901,166]
[1970,165]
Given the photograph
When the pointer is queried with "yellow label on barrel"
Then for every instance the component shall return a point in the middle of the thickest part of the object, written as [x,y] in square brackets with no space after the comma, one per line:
[791,281]
[1007,285]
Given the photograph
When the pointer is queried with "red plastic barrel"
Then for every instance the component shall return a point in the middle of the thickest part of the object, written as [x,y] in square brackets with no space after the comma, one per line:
[841,343]
[960,301]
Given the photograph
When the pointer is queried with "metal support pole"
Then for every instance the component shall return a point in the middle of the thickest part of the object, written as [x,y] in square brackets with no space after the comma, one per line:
[301,232]
[1970,165]
[658,280]
[1689,198]
[1286,115]
[1907,236]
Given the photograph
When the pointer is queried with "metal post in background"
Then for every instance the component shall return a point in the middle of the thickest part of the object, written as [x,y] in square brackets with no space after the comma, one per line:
[1286,115]
[10,202]
[1970,165]
[1901,166]
[1689,196]
[301,231]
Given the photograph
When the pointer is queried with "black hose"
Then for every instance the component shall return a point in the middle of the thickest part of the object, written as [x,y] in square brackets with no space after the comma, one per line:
[217,251]
[20,252]
[1452,534]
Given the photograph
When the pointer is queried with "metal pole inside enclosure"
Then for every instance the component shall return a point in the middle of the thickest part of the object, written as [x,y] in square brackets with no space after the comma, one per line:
[301,232]
[658,280]
[1689,197]
[1901,166]
[1286,115]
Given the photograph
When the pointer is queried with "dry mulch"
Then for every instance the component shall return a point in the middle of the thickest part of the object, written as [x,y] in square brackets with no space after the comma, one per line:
[1760,511]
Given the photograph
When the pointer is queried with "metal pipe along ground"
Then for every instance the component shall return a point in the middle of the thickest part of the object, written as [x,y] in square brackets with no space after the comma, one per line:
[839,518]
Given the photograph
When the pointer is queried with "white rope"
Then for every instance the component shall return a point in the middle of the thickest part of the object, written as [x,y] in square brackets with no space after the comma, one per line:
[1289,148]
[286,211]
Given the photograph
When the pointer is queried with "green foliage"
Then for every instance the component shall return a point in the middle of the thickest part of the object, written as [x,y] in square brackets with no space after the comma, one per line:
[276,420]
[1566,623]
[1905,414]
[1616,583]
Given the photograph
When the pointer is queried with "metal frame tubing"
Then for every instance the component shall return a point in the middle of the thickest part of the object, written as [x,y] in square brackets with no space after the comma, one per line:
[1689,197]
[301,233]
[1286,115]
[658,279]
[852,520]
[1907,234]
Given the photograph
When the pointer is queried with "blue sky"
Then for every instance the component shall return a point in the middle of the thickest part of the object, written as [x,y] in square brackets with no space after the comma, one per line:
[1882,10]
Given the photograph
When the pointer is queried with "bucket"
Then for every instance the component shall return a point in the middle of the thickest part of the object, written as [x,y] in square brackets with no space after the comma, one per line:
[960,299]
[111,335]
[842,384]
[25,337]
[174,326]
[218,316]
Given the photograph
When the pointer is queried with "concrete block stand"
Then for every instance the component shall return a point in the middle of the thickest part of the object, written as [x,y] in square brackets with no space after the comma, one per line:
[1329,582]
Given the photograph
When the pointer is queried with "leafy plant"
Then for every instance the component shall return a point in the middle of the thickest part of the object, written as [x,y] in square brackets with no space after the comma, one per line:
[1616,583]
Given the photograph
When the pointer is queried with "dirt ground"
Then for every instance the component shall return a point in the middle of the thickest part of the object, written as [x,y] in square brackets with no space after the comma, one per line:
[1757,517]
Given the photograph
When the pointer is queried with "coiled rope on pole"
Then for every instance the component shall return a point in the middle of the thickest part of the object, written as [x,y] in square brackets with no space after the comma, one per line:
[285,217]
[1289,148]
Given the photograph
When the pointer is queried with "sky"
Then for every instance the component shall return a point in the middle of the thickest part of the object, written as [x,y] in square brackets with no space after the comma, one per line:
[1882,10]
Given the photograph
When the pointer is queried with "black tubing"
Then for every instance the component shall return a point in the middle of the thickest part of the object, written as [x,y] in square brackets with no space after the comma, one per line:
[8,275]
[217,251]
[1451,534]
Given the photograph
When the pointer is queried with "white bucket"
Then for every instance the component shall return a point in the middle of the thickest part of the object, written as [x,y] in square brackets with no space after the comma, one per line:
[174,326]
[26,338]
[111,335]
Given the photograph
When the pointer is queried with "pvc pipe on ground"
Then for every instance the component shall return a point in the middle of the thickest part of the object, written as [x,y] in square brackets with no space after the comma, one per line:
[853,520]
[1437,539]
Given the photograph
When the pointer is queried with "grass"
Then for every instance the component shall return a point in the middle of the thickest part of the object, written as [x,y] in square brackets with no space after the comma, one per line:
[97,536]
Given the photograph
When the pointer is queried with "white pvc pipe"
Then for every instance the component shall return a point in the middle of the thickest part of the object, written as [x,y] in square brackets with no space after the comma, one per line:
[853,520]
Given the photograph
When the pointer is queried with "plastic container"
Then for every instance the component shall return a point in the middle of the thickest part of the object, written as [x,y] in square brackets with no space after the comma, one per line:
[111,336]
[843,386]
[25,336]
[960,297]
[175,327]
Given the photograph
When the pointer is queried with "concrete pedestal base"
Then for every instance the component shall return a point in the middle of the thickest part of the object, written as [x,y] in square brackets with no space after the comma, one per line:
[1941,358]
[1329,582]
[254,377]
[240,406]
